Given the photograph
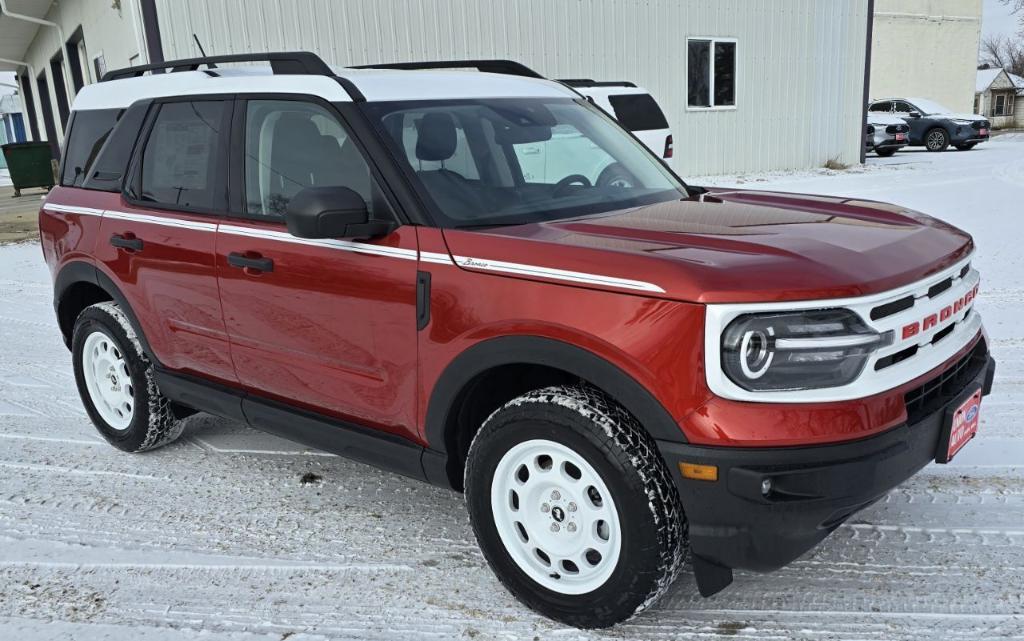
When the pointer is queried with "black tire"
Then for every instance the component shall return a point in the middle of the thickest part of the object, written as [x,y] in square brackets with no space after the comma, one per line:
[617,176]
[885,153]
[153,423]
[936,139]
[652,526]
[967,147]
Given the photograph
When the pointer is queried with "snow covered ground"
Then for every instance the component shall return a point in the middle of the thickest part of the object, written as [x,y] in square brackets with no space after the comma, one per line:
[216,535]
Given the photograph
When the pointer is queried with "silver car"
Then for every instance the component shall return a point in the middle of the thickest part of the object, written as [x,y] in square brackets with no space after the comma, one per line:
[886,133]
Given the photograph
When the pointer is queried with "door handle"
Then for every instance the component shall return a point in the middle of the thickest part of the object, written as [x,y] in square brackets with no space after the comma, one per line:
[126,242]
[256,263]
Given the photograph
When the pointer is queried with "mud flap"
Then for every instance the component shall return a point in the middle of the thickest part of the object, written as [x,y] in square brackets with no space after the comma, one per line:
[711,577]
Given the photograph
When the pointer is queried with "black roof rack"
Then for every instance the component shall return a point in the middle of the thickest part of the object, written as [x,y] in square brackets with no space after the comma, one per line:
[509,67]
[282,63]
[587,82]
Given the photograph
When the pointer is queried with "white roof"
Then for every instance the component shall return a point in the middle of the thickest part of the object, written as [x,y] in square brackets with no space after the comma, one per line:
[986,77]
[617,90]
[376,84]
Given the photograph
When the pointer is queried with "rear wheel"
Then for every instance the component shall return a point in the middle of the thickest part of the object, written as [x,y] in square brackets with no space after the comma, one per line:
[574,507]
[115,381]
[936,139]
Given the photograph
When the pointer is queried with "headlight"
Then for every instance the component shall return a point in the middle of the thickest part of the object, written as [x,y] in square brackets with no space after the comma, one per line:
[798,350]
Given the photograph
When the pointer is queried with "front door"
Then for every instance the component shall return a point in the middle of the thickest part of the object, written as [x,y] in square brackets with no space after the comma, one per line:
[326,325]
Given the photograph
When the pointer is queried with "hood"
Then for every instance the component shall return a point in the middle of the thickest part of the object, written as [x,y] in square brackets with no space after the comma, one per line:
[971,117]
[725,246]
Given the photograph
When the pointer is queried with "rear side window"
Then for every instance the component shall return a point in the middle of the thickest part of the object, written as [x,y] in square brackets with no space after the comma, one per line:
[89,130]
[182,164]
[638,112]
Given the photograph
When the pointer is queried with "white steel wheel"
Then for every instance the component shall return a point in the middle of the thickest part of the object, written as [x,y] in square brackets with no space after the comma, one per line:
[556,517]
[108,380]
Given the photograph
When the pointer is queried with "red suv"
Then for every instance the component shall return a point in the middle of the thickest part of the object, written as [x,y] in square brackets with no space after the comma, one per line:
[616,374]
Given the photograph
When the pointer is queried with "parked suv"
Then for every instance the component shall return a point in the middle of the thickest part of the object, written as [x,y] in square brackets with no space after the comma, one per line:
[886,133]
[936,127]
[616,375]
[635,109]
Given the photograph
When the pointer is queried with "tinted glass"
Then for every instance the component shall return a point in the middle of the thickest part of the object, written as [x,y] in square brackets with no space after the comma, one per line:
[89,130]
[291,145]
[511,161]
[883,107]
[638,112]
[725,74]
[698,73]
[182,164]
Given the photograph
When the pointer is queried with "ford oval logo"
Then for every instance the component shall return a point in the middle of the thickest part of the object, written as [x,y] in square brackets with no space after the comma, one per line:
[972,413]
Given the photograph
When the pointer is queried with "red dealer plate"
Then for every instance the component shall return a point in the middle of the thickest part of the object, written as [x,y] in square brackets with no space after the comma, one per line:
[962,428]
[901,137]
[984,132]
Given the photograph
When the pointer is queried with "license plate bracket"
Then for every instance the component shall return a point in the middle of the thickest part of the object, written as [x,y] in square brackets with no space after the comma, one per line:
[959,425]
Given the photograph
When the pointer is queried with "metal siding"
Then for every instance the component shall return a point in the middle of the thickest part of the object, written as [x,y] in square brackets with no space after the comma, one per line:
[799,75]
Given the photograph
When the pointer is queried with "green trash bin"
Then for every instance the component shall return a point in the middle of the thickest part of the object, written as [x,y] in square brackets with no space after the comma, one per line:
[29,164]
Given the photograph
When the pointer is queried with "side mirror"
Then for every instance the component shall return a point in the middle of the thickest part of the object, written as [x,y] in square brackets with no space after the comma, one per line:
[332,212]
[914,114]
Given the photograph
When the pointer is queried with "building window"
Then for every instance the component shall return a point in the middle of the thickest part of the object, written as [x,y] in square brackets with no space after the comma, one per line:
[711,73]
[1003,105]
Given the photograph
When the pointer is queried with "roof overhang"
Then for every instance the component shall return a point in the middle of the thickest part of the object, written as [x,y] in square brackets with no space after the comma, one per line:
[17,35]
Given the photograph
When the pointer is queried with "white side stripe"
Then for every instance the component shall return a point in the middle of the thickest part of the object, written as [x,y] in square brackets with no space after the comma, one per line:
[70,209]
[160,220]
[436,258]
[557,274]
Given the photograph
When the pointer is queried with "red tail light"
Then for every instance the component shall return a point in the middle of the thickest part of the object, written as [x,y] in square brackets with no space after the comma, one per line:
[668,146]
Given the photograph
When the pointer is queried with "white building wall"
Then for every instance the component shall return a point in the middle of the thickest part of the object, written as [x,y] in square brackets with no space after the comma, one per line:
[105,30]
[926,48]
[800,67]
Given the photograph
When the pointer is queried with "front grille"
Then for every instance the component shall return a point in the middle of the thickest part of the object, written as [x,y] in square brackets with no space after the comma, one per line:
[894,307]
[941,389]
[897,129]
[979,124]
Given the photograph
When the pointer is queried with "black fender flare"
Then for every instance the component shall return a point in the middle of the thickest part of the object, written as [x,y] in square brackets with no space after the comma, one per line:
[80,271]
[536,350]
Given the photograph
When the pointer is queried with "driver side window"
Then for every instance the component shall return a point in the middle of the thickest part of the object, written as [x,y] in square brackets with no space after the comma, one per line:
[291,145]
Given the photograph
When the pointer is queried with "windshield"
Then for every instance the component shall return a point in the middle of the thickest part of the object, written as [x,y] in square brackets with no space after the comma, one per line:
[929,107]
[517,160]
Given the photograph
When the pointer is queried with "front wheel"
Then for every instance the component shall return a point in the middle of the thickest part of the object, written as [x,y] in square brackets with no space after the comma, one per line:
[574,507]
[936,140]
[115,381]
[885,153]
[967,147]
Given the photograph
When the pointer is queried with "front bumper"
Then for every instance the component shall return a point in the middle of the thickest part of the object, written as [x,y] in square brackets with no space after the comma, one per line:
[813,489]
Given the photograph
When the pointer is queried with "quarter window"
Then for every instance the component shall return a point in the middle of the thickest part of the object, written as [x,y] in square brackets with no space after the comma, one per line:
[638,112]
[711,73]
[291,145]
[88,131]
[182,164]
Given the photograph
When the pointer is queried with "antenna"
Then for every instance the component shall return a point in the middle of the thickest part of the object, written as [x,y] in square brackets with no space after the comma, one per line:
[201,50]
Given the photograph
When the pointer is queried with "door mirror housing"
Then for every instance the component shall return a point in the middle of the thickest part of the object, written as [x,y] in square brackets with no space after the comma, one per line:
[332,212]
[914,114]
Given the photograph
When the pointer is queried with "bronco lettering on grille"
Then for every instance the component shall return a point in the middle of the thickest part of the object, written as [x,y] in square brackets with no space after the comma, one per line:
[944,314]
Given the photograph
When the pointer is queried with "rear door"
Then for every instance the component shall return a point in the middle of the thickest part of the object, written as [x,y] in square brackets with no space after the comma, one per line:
[326,325]
[157,239]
